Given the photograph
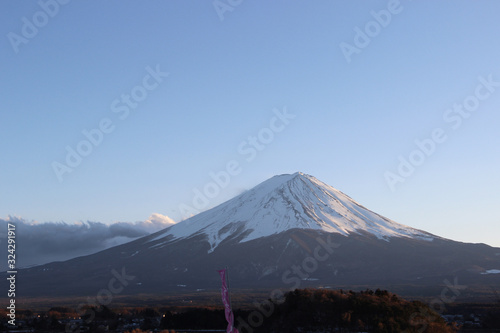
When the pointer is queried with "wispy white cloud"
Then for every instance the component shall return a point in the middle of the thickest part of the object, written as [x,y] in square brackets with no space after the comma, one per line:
[157,220]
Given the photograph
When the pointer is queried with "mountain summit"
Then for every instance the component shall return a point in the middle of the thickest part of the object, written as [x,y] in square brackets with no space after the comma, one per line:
[285,202]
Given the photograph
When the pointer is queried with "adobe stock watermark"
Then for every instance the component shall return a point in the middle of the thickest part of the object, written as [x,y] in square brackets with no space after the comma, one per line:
[448,295]
[104,297]
[122,107]
[30,27]
[249,149]
[292,277]
[363,37]
[453,116]
[223,6]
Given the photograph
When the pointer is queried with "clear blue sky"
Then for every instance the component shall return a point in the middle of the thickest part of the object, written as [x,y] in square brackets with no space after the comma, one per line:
[226,76]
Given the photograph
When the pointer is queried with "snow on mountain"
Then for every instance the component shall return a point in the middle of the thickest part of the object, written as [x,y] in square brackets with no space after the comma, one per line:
[286,202]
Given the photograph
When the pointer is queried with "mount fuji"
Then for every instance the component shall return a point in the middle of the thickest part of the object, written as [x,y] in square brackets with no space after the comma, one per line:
[287,232]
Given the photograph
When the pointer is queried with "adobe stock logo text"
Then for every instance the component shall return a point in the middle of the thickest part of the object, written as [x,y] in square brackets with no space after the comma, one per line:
[31,27]
[122,107]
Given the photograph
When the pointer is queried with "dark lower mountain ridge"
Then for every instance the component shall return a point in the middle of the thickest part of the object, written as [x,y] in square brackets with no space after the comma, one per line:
[292,259]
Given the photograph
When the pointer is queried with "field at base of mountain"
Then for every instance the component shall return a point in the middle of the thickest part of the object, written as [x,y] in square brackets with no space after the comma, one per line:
[245,298]
[301,310]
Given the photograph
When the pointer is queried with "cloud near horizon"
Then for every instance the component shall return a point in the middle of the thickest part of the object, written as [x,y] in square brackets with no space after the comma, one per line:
[41,243]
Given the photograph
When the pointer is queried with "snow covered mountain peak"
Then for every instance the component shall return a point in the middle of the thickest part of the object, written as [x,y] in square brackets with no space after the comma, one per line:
[286,202]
